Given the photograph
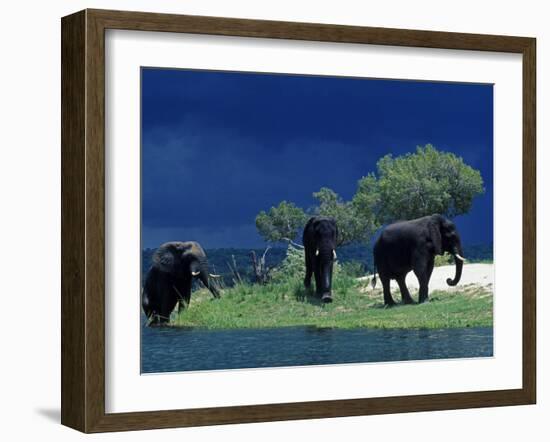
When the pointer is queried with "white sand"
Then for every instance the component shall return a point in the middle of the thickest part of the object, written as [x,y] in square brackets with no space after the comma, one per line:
[472,274]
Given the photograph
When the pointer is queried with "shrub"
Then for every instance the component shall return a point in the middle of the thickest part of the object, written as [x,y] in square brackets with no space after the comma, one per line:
[443,260]
[354,269]
[292,267]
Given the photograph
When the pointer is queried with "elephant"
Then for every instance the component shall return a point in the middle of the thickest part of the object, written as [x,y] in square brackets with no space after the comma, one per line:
[319,239]
[412,245]
[169,280]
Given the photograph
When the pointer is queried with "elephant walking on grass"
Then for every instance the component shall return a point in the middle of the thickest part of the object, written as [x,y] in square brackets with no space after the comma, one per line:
[170,278]
[319,239]
[412,245]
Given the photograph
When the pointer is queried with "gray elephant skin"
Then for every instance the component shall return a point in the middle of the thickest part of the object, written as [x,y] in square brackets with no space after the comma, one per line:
[412,245]
[170,279]
[319,239]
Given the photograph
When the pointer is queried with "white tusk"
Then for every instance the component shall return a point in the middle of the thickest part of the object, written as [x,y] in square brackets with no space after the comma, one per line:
[460,257]
[317,252]
[215,276]
[195,273]
[334,254]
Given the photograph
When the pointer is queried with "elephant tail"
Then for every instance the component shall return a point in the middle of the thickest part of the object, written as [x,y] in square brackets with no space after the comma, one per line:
[373,281]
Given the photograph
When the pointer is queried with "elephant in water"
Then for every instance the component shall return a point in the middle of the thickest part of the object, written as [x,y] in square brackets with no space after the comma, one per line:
[170,278]
[319,239]
[412,245]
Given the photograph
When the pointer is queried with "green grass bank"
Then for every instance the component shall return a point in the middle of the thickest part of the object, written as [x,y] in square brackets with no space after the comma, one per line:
[286,303]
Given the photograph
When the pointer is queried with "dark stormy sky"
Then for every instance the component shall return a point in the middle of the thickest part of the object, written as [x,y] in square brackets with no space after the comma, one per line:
[218,147]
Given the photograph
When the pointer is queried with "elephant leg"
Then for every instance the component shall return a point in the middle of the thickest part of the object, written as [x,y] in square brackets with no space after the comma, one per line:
[423,291]
[168,301]
[423,271]
[187,292]
[317,272]
[183,292]
[405,295]
[159,298]
[429,269]
[150,295]
[145,303]
[388,300]
[309,272]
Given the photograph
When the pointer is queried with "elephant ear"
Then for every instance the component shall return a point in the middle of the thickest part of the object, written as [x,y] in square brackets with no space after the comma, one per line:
[165,258]
[434,229]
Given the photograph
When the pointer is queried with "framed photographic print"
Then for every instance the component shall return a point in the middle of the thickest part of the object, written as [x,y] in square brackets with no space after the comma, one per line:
[270,220]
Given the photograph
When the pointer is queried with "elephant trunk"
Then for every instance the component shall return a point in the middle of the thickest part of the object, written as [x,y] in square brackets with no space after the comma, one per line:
[459,262]
[205,278]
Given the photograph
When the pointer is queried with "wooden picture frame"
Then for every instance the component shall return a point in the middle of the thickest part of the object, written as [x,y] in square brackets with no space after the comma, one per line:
[83,220]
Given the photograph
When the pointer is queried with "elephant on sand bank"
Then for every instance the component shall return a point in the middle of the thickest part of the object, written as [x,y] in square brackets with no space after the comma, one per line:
[412,245]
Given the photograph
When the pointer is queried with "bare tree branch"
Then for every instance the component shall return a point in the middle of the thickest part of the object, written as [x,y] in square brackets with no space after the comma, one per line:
[261,272]
[293,243]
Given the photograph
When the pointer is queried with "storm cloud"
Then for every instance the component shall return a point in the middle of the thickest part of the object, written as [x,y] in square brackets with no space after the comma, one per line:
[218,147]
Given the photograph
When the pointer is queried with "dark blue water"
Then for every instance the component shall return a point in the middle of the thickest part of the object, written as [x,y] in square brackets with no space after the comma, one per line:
[175,349]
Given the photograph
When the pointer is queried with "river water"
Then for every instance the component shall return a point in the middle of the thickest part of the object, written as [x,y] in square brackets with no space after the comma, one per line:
[167,349]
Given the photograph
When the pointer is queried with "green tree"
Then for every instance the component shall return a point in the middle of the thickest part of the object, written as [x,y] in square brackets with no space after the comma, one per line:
[352,226]
[421,183]
[366,202]
[281,223]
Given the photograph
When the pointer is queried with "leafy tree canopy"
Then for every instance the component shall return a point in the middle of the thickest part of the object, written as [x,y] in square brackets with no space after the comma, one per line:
[366,202]
[418,184]
[281,223]
[406,187]
[352,225]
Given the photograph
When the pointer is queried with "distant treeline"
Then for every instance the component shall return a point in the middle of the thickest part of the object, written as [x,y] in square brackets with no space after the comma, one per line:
[220,260]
